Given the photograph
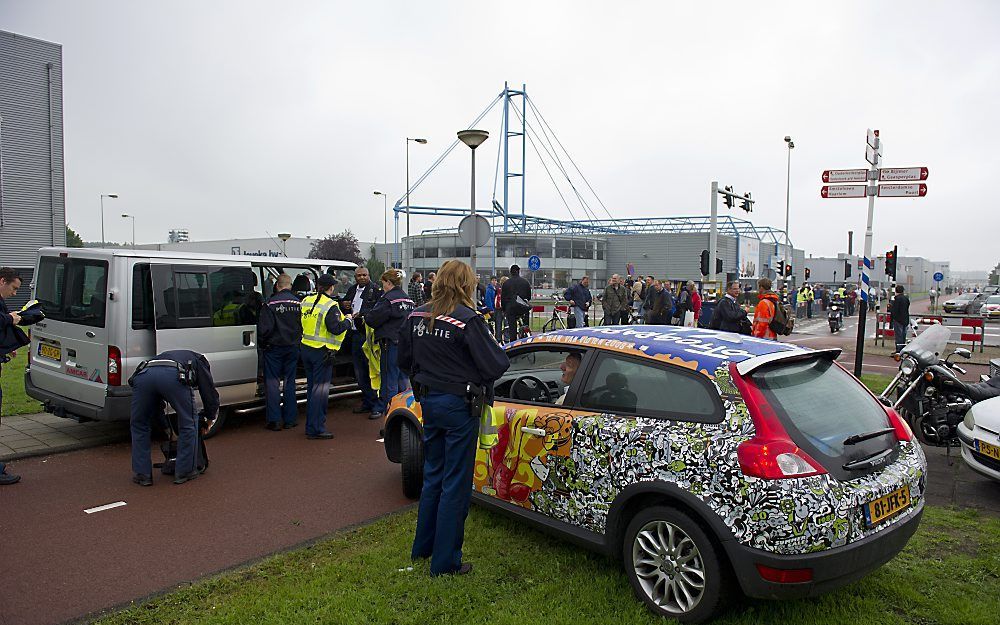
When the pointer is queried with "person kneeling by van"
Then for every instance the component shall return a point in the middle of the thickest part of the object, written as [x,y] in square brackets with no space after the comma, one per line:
[171,377]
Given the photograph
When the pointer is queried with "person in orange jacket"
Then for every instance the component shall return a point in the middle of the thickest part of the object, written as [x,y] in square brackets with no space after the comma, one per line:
[764,313]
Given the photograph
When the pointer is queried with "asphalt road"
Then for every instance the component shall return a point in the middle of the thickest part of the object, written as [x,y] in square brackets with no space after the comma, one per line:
[264,492]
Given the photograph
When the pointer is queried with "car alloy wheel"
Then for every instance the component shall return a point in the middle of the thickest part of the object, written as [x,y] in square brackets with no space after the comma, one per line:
[669,566]
[672,565]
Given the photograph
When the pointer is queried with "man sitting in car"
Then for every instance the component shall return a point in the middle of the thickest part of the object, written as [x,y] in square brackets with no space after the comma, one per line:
[569,368]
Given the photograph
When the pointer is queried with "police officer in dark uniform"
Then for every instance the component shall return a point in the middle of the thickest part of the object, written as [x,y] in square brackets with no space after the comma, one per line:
[171,377]
[280,333]
[452,359]
[386,317]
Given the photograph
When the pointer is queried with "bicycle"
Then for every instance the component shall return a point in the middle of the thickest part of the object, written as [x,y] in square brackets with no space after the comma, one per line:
[556,321]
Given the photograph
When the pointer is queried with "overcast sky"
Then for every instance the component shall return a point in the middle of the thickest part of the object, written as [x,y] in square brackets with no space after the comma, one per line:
[239,117]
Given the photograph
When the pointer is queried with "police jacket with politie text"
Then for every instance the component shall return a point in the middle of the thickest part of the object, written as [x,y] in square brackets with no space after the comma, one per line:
[280,322]
[458,350]
[206,385]
[389,313]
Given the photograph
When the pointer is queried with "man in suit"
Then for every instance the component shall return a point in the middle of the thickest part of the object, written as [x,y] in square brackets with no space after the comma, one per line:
[358,300]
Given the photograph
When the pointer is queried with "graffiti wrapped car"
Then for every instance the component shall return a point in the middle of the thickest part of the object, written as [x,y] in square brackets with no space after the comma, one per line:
[701,459]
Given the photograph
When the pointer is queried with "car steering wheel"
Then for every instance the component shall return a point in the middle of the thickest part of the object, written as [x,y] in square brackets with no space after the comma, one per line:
[535,386]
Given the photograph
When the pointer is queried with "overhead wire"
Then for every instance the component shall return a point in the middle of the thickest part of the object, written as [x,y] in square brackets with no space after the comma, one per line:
[538,113]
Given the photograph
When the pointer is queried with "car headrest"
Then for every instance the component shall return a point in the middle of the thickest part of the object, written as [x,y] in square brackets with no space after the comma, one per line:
[616,381]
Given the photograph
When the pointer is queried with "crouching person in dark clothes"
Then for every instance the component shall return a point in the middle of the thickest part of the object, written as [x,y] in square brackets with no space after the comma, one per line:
[453,360]
[171,378]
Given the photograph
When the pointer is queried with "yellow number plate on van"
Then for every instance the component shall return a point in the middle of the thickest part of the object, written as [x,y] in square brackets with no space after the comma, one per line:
[50,351]
[988,450]
[887,506]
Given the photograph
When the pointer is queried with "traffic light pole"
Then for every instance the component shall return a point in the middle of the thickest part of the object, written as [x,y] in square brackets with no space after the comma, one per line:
[866,269]
[713,235]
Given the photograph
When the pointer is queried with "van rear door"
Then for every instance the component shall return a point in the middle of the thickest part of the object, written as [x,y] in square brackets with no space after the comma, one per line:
[211,310]
[69,349]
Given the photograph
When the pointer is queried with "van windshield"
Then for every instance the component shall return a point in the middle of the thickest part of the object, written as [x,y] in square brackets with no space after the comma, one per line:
[74,290]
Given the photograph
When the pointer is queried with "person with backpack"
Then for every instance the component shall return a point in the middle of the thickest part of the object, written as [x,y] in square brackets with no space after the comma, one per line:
[769,312]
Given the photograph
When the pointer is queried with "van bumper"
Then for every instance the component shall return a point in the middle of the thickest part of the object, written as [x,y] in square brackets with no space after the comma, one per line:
[831,569]
[117,404]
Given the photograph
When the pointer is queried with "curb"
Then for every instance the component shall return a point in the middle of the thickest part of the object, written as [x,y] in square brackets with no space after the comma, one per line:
[34,453]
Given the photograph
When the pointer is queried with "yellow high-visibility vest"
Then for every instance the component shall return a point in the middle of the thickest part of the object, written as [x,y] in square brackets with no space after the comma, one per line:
[373,354]
[226,316]
[314,332]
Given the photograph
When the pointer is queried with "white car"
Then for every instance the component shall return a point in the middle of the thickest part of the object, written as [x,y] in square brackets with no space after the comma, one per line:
[980,437]
[991,309]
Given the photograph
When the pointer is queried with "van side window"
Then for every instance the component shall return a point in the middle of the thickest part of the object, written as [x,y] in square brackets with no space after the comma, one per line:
[142,298]
[235,302]
[191,291]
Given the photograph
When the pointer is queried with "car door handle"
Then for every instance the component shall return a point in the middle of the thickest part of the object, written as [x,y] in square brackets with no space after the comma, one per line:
[248,338]
[533,431]
[90,334]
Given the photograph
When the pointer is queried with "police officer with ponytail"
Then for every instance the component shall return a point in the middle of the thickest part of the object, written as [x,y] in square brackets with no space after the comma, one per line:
[386,317]
[323,330]
[452,359]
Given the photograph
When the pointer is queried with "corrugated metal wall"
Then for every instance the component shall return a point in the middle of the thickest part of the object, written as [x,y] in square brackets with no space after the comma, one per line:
[675,256]
[33,186]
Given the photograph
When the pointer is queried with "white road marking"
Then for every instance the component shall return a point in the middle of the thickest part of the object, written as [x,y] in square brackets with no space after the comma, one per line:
[379,440]
[108,506]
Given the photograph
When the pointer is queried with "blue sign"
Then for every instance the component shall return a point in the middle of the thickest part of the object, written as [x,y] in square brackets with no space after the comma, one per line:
[534,263]
[938,276]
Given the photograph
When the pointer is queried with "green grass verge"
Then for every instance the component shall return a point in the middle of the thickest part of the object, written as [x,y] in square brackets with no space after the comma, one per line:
[875,382]
[949,573]
[15,401]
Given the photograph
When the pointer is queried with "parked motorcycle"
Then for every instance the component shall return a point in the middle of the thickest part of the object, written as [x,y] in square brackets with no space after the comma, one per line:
[836,316]
[928,392]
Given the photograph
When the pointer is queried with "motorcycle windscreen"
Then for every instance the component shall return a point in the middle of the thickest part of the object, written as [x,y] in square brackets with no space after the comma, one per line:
[928,347]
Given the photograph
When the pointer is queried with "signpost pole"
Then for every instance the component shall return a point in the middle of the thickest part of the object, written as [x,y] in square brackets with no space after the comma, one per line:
[713,234]
[865,286]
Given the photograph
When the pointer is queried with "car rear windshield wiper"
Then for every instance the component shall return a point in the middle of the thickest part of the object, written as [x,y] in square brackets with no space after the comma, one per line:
[857,438]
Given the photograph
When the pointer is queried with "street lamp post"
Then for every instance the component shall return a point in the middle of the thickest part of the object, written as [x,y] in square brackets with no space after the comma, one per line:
[385,226]
[473,139]
[788,190]
[420,141]
[132,217]
[284,236]
[104,195]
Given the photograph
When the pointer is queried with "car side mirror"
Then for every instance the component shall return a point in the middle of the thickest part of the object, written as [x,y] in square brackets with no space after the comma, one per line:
[963,352]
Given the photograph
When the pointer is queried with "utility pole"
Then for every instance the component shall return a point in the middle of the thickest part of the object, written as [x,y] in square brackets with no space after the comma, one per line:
[713,234]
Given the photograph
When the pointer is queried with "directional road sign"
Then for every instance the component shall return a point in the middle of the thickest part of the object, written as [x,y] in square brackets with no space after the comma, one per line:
[938,276]
[845,175]
[873,139]
[895,174]
[844,191]
[534,262]
[873,155]
[902,190]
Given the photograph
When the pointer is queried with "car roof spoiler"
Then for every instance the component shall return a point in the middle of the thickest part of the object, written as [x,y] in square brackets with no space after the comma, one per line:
[752,364]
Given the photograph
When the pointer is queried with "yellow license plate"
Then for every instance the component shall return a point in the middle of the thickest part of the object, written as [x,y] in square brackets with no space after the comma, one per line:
[887,506]
[987,449]
[50,351]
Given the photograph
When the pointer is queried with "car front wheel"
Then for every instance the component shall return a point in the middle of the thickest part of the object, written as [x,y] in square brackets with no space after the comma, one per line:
[411,459]
[673,566]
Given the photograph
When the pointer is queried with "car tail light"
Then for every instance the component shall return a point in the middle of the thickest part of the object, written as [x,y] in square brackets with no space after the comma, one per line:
[785,576]
[114,366]
[898,423]
[770,454]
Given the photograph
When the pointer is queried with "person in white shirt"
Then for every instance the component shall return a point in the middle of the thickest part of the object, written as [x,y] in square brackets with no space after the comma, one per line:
[569,368]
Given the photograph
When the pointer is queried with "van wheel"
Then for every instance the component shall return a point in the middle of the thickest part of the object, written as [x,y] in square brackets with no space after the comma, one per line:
[217,426]
[672,565]
[411,457]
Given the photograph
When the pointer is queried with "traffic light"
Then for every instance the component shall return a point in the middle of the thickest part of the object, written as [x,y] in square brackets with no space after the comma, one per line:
[788,269]
[847,269]
[746,204]
[890,263]
[807,273]
[704,262]
[718,265]
[727,198]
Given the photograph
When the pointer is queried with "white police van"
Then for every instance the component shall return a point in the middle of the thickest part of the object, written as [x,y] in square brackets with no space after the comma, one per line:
[107,310]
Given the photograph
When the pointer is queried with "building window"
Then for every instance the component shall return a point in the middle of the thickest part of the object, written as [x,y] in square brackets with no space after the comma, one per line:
[564,248]
[583,249]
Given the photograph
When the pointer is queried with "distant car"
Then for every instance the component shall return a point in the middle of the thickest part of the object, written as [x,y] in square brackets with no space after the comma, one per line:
[687,454]
[991,309]
[965,304]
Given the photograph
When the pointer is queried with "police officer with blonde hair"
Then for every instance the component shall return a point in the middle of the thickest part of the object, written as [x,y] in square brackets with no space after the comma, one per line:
[386,317]
[446,348]
[323,331]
